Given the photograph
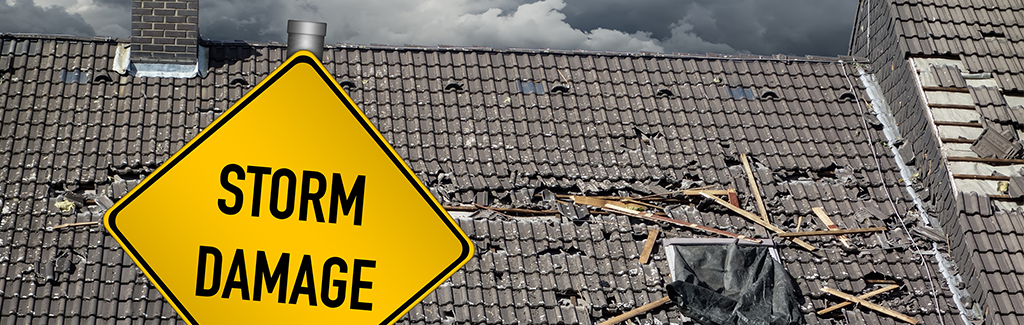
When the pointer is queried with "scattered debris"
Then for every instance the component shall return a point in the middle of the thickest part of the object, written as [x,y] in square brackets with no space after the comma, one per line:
[652,236]
[636,312]
[818,211]
[838,232]
[869,304]
[613,207]
[65,205]
[757,220]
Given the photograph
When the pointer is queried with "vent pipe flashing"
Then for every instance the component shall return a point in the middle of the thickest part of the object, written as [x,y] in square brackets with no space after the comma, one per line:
[306,35]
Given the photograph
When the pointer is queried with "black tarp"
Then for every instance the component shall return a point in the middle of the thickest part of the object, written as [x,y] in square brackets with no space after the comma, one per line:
[733,284]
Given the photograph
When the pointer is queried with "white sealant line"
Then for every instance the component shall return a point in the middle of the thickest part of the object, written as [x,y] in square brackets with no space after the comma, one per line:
[892,135]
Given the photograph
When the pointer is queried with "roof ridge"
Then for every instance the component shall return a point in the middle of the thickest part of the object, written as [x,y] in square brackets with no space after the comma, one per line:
[62,37]
[638,54]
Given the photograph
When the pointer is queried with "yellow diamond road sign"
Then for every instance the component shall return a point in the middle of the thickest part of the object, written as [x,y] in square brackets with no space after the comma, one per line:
[290,208]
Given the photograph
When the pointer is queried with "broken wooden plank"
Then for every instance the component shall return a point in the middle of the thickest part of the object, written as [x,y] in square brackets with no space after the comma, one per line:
[611,206]
[636,312]
[869,304]
[832,232]
[733,198]
[818,211]
[599,203]
[757,220]
[753,188]
[863,296]
[652,236]
[77,224]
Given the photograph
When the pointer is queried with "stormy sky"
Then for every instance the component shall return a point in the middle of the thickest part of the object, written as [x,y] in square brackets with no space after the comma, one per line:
[795,27]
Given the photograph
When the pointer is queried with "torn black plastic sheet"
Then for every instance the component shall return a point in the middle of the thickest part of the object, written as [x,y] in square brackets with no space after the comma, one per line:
[725,282]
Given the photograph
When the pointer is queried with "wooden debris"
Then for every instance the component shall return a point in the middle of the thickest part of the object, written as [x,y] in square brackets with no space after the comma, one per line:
[652,236]
[611,206]
[753,188]
[757,220]
[832,232]
[818,211]
[869,304]
[636,312]
[77,224]
[733,198]
[799,222]
[863,296]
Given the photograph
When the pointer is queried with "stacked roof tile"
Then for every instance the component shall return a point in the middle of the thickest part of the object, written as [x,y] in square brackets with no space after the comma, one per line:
[485,126]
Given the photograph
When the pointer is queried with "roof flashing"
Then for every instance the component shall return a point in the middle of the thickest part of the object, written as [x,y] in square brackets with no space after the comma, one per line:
[169,70]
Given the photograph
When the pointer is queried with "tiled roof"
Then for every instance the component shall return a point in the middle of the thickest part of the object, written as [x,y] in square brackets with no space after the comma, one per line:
[620,124]
[963,82]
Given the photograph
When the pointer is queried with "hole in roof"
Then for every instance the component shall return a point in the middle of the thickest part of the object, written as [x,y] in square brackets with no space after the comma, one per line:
[769,95]
[664,92]
[347,84]
[847,96]
[560,89]
[238,81]
[453,86]
[102,77]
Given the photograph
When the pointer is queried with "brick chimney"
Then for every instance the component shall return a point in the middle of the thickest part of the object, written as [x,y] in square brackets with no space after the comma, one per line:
[165,32]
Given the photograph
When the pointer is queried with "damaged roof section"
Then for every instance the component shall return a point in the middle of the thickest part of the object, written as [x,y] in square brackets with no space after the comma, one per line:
[611,133]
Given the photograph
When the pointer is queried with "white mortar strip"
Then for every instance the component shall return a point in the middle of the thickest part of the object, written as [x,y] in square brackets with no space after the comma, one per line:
[892,135]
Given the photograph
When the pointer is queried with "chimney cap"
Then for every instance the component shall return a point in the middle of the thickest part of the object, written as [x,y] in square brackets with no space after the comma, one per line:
[307,27]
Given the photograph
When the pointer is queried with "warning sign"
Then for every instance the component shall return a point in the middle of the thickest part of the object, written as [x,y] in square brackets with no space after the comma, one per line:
[289,208]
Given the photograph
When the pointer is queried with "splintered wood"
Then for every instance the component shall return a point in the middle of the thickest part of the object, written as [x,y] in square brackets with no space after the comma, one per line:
[612,207]
[832,232]
[869,304]
[756,219]
[624,209]
[652,236]
[818,211]
[636,312]
[863,296]
[753,188]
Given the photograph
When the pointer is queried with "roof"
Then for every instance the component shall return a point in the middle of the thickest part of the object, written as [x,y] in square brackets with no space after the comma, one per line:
[626,124]
[962,86]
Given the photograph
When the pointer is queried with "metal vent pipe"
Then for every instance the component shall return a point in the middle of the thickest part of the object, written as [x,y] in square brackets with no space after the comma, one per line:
[306,35]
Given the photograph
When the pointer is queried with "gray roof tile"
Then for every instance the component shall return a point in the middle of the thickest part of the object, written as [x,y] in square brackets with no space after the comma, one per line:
[580,142]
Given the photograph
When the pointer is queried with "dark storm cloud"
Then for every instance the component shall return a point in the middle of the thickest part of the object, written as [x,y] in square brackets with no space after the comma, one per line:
[24,16]
[250,20]
[820,27]
[797,27]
